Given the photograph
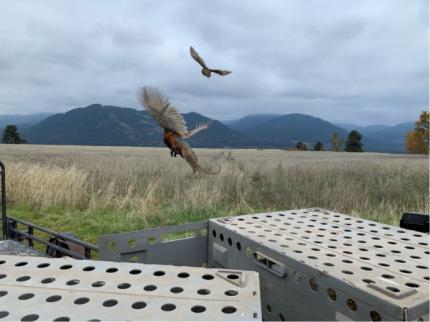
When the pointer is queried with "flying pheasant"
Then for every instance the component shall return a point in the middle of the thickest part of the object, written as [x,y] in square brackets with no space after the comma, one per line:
[173,124]
[206,70]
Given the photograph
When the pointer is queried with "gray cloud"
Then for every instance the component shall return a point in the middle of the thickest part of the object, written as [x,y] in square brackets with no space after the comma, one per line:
[358,61]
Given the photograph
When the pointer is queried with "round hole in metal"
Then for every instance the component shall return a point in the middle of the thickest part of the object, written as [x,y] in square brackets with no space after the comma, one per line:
[3,314]
[2,276]
[268,308]
[25,296]
[203,291]
[112,270]
[375,316]
[132,243]
[88,268]
[53,298]
[23,278]
[30,317]
[198,309]
[387,276]
[413,285]
[150,288]
[135,271]
[230,242]
[228,309]
[368,281]
[43,265]
[183,275]
[233,276]
[62,318]
[66,266]
[231,293]
[208,277]
[123,286]
[73,282]
[351,305]
[238,246]
[221,236]
[21,264]
[81,300]
[214,233]
[176,289]
[405,271]
[313,284]
[138,305]
[331,294]
[366,268]
[98,284]
[110,303]
[3,293]
[421,267]
[47,280]
[168,307]
[159,273]
[348,272]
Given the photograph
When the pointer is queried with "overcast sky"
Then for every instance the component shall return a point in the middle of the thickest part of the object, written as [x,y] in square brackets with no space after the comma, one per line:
[361,62]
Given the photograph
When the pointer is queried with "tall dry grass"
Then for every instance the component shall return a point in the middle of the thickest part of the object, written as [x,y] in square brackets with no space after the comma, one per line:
[147,182]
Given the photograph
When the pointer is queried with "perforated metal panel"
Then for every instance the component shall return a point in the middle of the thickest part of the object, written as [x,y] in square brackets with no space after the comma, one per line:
[175,245]
[320,265]
[45,289]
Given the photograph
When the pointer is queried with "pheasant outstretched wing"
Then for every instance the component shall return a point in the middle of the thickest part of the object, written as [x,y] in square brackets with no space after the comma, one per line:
[220,71]
[162,111]
[165,114]
[197,58]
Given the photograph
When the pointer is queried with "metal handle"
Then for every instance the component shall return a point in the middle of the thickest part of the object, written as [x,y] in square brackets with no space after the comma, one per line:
[270,264]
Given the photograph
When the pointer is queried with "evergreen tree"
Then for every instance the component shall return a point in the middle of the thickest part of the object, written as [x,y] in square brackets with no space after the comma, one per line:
[353,143]
[11,135]
[301,146]
[319,146]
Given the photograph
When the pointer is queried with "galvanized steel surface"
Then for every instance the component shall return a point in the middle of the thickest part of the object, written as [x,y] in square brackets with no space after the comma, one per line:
[65,289]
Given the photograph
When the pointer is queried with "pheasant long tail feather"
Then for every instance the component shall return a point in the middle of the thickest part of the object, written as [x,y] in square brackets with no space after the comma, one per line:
[192,160]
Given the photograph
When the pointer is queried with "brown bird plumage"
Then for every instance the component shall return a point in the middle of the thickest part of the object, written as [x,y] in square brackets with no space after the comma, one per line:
[174,126]
[206,71]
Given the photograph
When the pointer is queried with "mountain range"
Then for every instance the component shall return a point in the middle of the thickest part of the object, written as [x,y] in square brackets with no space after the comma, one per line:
[118,126]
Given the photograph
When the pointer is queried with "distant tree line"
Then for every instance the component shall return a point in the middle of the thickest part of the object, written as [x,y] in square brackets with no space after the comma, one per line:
[11,135]
[351,144]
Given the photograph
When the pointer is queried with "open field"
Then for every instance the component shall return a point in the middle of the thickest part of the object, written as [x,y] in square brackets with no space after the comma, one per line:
[95,190]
